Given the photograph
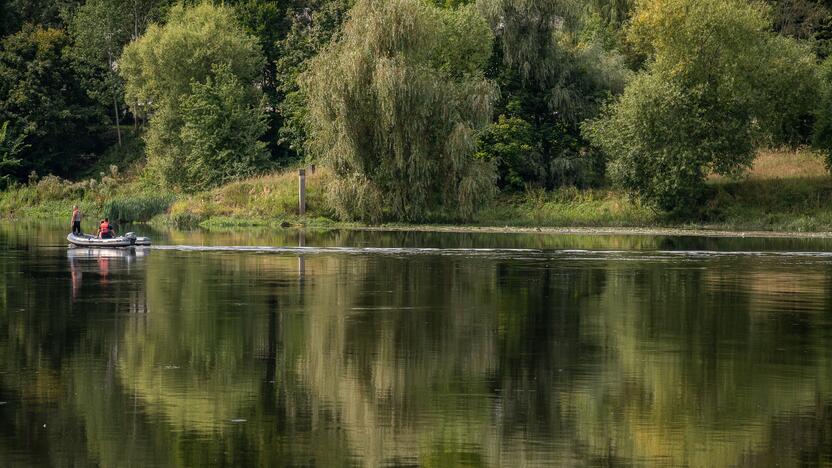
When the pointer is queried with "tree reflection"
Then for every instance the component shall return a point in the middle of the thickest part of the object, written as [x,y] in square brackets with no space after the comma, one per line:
[187,358]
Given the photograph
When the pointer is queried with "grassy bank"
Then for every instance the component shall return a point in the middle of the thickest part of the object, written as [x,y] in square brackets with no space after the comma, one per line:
[111,194]
[785,191]
[268,200]
[112,186]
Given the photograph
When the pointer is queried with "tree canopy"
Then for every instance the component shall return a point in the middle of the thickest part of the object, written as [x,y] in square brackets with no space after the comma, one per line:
[310,32]
[550,81]
[165,68]
[222,122]
[717,82]
[42,100]
[10,146]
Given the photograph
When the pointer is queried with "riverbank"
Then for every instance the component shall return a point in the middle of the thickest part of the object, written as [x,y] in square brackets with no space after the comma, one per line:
[599,231]
[785,194]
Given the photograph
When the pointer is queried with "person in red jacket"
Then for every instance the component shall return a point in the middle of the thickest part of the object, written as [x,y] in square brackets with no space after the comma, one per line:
[105,230]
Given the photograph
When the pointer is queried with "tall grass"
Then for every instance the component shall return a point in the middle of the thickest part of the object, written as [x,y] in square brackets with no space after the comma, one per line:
[568,207]
[137,207]
[784,191]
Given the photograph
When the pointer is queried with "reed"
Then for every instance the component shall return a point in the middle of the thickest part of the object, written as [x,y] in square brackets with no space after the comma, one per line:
[137,208]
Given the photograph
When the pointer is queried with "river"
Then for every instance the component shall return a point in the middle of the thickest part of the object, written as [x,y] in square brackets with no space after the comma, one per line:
[351,348]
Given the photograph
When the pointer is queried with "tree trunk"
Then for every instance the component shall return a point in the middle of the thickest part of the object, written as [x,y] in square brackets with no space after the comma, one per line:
[135,19]
[115,100]
[115,112]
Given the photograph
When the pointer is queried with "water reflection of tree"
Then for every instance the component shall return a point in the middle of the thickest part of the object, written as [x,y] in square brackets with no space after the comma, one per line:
[433,359]
[426,360]
[697,372]
[654,363]
[55,392]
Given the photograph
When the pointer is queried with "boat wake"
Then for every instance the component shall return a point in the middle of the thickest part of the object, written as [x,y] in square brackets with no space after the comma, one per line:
[565,254]
[395,251]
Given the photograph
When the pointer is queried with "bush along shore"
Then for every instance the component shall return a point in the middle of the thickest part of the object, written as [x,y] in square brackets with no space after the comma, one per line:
[785,191]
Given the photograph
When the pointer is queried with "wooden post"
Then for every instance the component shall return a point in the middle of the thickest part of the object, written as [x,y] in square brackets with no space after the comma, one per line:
[302,191]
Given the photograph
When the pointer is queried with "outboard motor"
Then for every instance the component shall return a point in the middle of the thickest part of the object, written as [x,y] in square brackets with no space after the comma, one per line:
[131,237]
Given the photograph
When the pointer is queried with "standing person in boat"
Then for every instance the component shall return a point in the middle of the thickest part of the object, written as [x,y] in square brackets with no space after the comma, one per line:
[76,220]
[105,230]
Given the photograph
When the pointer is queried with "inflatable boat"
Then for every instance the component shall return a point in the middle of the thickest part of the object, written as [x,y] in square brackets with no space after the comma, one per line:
[127,240]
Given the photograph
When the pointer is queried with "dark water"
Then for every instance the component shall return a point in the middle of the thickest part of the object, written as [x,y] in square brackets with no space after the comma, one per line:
[403,349]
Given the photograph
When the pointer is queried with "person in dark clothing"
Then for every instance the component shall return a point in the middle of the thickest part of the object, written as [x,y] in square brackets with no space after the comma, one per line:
[76,220]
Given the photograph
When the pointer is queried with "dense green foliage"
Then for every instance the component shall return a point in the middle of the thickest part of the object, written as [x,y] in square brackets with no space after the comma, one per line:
[14,14]
[807,20]
[101,29]
[268,22]
[221,123]
[100,33]
[550,83]
[10,146]
[310,32]
[43,101]
[717,82]
[172,72]
[421,113]
[823,112]
[395,112]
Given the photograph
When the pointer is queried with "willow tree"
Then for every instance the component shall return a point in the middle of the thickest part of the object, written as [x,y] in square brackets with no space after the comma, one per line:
[605,22]
[528,31]
[394,106]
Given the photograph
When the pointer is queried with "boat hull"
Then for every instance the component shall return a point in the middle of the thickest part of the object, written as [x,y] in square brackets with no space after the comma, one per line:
[127,240]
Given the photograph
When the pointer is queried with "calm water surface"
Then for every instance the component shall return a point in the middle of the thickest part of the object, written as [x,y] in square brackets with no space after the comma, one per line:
[414,349]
